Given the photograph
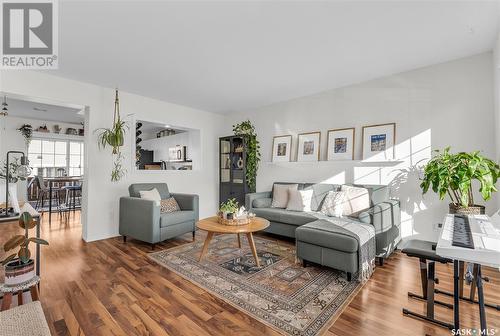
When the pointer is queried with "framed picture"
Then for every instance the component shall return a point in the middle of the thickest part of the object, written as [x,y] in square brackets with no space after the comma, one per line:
[340,144]
[308,146]
[378,142]
[282,147]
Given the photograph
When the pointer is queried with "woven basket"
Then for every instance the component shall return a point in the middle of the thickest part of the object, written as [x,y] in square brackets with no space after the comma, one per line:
[471,210]
[235,221]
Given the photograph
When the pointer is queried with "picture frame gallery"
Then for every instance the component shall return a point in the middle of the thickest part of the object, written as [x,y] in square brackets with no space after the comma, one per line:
[377,142]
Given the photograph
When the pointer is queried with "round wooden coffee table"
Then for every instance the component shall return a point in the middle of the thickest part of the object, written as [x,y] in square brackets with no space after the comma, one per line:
[212,226]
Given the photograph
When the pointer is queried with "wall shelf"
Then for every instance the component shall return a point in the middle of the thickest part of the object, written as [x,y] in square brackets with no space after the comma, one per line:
[57,136]
[366,163]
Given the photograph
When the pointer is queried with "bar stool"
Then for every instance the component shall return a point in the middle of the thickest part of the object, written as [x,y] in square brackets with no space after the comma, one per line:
[9,291]
[425,251]
[71,192]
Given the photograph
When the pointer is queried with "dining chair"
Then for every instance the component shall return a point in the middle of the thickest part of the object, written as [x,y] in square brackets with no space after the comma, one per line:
[44,193]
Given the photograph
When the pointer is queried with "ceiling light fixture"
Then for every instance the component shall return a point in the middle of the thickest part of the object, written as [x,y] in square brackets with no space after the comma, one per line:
[5,110]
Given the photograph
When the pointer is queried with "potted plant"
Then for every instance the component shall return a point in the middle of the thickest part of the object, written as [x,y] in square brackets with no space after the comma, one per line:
[27,132]
[247,130]
[19,267]
[229,208]
[114,137]
[453,175]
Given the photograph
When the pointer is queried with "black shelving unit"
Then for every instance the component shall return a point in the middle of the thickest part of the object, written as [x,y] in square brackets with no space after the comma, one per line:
[232,169]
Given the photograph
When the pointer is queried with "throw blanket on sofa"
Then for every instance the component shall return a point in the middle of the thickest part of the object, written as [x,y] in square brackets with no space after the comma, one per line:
[364,234]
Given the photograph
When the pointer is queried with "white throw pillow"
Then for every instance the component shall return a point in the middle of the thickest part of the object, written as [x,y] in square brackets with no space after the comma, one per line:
[152,195]
[299,200]
[333,205]
[280,195]
[357,199]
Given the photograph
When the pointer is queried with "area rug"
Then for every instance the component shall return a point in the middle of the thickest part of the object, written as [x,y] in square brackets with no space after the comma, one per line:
[280,293]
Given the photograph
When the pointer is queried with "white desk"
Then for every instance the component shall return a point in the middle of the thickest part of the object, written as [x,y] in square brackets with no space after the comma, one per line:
[486,251]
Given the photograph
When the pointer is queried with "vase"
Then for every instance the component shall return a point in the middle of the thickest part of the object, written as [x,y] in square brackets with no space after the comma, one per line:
[14,202]
[17,272]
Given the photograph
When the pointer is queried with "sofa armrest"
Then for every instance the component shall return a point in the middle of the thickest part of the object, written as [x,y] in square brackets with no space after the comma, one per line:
[188,202]
[249,198]
[383,216]
[140,219]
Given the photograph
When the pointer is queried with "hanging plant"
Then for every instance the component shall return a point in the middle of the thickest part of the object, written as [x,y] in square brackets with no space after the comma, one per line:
[27,132]
[114,138]
[247,130]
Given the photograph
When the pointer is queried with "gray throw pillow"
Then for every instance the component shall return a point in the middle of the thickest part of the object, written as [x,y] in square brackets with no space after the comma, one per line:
[280,195]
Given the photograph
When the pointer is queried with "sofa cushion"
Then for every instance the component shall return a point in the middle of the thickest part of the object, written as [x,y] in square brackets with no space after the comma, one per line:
[323,233]
[176,217]
[333,205]
[169,205]
[299,200]
[280,195]
[151,195]
[320,190]
[284,216]
[356,200]
[378,193]
[161,187]
[262,202]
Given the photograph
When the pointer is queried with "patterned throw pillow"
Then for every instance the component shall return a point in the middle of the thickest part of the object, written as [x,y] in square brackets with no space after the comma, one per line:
[169,205]
[333,205]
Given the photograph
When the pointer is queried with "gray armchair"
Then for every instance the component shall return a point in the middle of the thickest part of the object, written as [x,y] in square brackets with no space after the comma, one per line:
[141,219]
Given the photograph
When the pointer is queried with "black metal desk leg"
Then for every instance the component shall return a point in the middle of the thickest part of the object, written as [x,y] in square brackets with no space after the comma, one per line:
[456,297]
[50,201]
[37,261]
[480,296]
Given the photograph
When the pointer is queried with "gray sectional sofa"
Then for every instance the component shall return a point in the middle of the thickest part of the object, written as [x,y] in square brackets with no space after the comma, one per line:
[316,241]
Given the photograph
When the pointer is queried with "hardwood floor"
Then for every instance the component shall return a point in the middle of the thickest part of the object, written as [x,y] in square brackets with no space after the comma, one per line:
[111,288]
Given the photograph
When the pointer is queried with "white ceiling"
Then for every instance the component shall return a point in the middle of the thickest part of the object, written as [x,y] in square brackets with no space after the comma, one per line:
[40,111]
[234,56]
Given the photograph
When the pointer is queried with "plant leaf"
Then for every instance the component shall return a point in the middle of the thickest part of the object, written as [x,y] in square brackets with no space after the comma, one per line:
[13,242]
[38,241]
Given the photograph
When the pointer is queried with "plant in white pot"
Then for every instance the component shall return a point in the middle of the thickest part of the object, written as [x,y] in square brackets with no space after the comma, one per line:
[19,267]
[14,177]
[453,174]
[229,208]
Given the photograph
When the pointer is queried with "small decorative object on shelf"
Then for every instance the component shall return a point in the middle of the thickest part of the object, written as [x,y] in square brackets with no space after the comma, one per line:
[239,149]
[57,129]
[71,131]
[19,267]
[240,163]
[452,175]
[43,129]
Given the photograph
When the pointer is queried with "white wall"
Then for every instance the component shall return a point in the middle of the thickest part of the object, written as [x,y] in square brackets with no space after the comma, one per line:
[434,107]
[101,195]
[496,73]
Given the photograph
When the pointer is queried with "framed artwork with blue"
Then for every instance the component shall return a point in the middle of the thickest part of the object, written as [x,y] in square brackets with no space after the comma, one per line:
[379,142]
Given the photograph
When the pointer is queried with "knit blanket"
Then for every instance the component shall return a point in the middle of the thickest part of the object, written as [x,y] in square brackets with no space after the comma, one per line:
[364,234]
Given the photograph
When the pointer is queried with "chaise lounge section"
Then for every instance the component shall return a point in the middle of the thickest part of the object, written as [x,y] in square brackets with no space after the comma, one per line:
[317,240]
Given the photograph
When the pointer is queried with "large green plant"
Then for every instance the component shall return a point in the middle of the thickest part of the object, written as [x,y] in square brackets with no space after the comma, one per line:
[26,222]
[247,130]
[114,137]
[452,175]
